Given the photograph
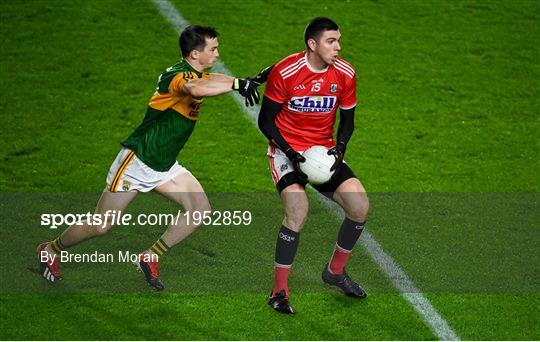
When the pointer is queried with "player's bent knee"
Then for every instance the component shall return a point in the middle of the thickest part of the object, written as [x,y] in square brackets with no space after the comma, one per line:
[296,206]
[295,217]
[294,224]
[358,210]
[357,214]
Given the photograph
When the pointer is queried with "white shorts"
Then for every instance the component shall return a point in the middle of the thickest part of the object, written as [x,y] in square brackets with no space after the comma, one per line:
[280,165]
[129,173]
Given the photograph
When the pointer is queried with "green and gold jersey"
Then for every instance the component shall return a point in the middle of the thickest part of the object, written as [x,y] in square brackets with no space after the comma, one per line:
[169,121]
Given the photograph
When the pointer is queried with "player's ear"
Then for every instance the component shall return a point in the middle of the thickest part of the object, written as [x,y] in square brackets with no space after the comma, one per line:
[312,44]
[194,54]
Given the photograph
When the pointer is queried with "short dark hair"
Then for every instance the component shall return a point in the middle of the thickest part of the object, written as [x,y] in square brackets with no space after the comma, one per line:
[194,38]
[316,28]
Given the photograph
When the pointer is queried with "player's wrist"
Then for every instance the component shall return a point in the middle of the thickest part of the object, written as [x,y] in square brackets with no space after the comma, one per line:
[248,89]
[236,84]
[294,155]
[290,152]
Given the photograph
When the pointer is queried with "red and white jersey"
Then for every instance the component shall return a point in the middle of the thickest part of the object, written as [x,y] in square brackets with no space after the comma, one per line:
[310,99]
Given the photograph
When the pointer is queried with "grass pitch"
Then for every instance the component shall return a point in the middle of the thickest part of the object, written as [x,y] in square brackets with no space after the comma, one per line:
[448,102]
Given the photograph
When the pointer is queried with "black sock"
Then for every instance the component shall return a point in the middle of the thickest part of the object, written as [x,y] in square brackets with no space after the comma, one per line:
[349,233]
[286,246]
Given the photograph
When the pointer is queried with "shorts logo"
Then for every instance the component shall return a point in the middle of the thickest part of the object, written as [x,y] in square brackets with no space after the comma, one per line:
[284,167]
[285,237]
[333,88]
[312,104]
[125,185]
[299,87]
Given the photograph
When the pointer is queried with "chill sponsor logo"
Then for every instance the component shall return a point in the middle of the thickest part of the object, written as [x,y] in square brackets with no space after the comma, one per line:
[312,104]
[286,237]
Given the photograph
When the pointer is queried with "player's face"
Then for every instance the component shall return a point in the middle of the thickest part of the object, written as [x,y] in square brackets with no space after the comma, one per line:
[210,54]
[328,46]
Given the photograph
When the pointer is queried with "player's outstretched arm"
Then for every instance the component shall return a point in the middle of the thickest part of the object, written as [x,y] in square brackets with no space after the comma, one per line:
[217,84]
[213,85]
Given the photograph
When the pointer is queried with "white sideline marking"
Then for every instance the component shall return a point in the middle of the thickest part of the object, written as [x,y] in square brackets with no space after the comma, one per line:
[400,280]
[386,263]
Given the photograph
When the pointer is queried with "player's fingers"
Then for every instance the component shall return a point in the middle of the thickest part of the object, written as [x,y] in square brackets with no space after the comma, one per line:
[336,164]
[251,96]
[257,97]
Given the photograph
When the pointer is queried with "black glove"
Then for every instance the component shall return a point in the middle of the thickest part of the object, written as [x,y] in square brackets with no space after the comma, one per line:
[248,89]
[296,158]
[337,151]
[262,76]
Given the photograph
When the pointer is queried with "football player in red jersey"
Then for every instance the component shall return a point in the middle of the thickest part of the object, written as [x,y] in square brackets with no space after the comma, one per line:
[303,93]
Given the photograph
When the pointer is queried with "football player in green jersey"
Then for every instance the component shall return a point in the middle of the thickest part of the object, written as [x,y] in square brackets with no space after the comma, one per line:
[147,160]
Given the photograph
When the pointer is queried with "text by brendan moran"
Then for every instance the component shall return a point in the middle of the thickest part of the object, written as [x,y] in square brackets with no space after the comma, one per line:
[96,257]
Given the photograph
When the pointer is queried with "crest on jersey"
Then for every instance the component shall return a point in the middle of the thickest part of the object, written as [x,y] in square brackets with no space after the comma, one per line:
[126,185]
[333,88]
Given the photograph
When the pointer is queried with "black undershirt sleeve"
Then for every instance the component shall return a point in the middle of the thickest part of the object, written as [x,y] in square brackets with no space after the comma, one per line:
[267,125]
[346,125]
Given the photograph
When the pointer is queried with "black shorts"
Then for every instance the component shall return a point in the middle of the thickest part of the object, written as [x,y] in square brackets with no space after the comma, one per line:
[327,189]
